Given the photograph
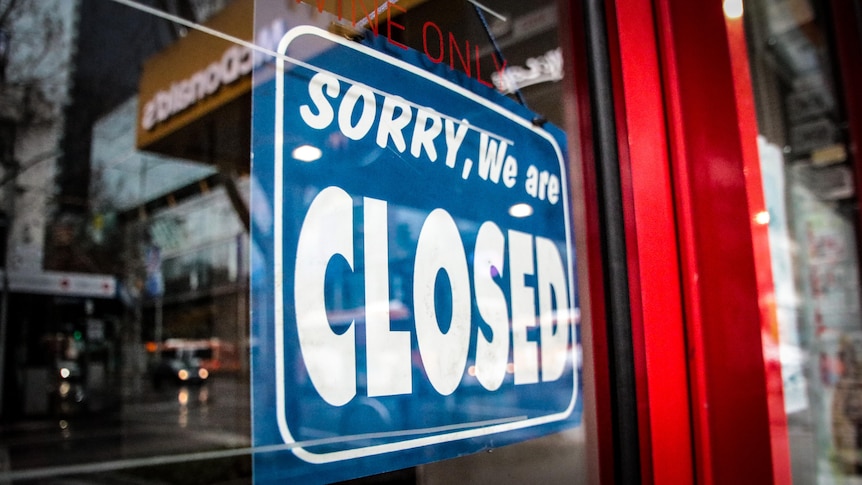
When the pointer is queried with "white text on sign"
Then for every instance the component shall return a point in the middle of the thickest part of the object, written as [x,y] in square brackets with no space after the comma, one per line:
[331,358]
[399,119]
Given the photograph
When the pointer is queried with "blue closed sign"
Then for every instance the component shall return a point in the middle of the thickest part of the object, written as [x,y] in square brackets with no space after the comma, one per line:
[413,292]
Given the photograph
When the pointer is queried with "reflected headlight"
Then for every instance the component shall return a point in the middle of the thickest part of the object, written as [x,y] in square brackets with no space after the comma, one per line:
[183,374]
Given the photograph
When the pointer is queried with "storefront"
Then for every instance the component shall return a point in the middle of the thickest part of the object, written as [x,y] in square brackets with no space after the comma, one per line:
[436,241]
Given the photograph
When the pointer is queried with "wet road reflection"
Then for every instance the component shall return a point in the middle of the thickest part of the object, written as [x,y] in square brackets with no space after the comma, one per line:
[169,420]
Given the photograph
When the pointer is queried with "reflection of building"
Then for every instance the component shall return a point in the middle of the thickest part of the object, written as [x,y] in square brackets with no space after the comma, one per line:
[65,252]
[201,261]
[184,243]
[191,214]
[46,316]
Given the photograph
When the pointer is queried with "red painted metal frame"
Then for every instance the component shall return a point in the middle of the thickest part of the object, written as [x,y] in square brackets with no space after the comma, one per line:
[708,380]
[848,43]
[780,444]
[655,292]
[738,420]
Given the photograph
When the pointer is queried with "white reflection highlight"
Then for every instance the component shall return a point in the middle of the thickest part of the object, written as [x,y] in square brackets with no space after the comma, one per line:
[733,9]
[306,153]
[521,210]
[183,397]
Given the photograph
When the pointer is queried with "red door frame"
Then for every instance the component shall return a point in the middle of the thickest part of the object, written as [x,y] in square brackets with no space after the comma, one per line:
[700,279]
[848,41]
[654,294]
[737,406]
[654,285]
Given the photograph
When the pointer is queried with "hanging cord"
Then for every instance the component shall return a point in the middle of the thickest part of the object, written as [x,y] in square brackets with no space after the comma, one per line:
[538,120]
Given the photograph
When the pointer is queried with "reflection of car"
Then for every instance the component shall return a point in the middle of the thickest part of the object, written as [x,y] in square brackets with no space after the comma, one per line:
[178,366]
[68,395]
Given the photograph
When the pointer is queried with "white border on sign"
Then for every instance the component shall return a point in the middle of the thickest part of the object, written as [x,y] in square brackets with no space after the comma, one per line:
[471,432]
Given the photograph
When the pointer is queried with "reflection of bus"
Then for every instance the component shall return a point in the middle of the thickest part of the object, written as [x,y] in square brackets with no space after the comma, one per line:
[214,354]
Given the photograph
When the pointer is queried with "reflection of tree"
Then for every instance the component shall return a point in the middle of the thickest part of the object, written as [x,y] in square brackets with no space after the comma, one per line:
[33,57]
[34,62]
[31,30]
[31,91]
[98,70]
[111,44]
[63,66]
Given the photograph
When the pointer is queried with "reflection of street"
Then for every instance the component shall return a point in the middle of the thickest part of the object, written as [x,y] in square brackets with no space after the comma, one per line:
[171,420]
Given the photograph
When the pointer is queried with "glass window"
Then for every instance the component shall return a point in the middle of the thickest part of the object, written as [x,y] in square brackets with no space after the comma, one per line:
[808,175]
[131,217]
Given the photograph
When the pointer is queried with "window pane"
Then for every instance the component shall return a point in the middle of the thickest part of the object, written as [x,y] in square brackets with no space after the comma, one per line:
[807,169]
[124,315]
[128,239]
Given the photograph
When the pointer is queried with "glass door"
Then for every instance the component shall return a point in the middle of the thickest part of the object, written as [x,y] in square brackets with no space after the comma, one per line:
[809,165]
